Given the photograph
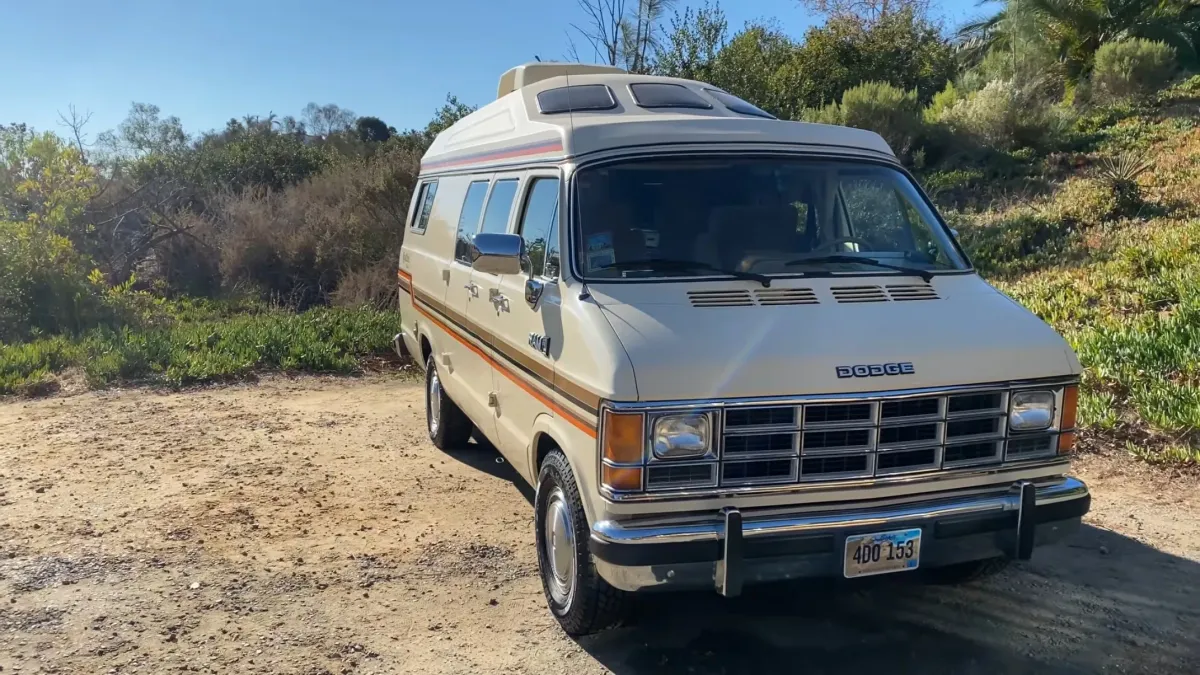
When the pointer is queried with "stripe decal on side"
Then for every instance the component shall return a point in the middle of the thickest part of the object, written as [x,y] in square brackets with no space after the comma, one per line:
[505,368]
[539,148]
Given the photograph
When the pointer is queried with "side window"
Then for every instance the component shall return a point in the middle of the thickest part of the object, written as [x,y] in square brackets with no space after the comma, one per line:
[552,265]
[538,221]
[495,217]
[468,220]
[424,206]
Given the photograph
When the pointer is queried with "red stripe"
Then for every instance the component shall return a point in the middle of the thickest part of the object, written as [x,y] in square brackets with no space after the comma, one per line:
[551,146]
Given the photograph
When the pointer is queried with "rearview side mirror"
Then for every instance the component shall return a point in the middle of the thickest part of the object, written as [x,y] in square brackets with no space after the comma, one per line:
[497,253]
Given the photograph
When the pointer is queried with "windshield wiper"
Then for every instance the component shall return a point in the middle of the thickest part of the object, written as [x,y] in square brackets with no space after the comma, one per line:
[924,274]
[665,264]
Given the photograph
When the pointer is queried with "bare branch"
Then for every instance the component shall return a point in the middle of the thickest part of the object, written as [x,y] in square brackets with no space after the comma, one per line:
[75,121]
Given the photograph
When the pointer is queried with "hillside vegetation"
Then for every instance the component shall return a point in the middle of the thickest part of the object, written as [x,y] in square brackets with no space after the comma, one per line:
[1059,137]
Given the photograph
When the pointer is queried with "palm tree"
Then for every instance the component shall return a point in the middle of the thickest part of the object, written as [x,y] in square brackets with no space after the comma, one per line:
[1075,29]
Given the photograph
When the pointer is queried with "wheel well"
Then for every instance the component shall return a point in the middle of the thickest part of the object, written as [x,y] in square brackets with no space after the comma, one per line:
[544,444]
[425,350]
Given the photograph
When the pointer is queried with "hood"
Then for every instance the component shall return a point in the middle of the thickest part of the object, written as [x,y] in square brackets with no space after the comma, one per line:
[727,339]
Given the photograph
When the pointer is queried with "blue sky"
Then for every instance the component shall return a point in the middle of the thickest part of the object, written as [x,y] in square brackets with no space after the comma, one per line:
[209,60]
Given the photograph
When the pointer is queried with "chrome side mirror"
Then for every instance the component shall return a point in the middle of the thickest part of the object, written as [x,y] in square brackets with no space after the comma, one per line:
[497,253]
[533,292]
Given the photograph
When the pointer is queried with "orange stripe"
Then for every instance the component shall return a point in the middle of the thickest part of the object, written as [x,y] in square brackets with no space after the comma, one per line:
[578,423]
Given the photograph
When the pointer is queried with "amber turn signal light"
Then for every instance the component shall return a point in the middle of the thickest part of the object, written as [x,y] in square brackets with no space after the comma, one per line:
[625,479]
[624,438]
[1070,402]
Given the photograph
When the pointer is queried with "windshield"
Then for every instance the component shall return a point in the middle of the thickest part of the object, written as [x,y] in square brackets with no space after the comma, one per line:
[713,216]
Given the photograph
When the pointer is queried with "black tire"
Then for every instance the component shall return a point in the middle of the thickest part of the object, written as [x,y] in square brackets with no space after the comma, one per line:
[966,572]
[449,428]
[591,605]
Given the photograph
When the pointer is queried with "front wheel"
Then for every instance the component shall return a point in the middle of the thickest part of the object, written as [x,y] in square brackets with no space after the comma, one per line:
[581,600]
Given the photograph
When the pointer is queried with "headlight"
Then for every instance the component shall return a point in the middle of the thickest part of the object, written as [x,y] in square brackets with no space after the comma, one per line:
[1031,411]
[681,436]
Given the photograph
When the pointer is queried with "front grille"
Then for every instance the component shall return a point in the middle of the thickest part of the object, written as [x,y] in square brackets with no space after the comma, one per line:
[867,438]
[661,476]
[779,444]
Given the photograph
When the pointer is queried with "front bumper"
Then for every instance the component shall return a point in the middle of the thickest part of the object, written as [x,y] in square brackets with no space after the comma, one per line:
[734,547]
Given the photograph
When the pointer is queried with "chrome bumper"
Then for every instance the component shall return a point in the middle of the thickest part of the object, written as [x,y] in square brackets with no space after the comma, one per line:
[734,547]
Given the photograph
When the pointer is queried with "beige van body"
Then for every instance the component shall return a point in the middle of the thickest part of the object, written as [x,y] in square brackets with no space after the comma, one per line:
[787,415]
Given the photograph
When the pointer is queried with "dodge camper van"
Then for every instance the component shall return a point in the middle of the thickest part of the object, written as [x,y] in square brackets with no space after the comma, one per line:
[725,349]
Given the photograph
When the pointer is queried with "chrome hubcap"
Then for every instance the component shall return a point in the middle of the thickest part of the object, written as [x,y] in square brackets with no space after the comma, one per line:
[560,548]
[435,401]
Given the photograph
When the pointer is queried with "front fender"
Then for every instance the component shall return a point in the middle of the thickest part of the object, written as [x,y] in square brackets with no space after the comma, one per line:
[580,450]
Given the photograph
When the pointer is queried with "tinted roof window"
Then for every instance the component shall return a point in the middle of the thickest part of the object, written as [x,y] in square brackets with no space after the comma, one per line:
[581,97]
[662,95]
[737,105]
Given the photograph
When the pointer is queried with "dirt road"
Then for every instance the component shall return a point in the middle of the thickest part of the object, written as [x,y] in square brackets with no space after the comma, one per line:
[307,526]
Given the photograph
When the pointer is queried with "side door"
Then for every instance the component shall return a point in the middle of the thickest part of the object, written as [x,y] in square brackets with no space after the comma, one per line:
[520,334]
[481,314]
[465,369]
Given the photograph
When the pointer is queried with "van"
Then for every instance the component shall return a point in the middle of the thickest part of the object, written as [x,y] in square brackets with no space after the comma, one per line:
[725,349]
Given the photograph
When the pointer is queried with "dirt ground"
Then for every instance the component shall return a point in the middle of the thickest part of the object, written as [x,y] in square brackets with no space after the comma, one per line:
[307,526]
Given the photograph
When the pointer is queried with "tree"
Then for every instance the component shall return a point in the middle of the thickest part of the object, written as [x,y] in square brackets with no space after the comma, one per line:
[692,45]
[900,48]
[144,132]
[324,120]
[621,33]
[372,130]
[747,66]
[1075,29]
[867,10]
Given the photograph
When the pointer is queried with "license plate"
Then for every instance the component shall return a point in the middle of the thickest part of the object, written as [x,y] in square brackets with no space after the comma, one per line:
[882,552]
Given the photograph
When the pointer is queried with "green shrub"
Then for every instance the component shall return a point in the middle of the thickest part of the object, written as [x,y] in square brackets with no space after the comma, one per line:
[1084,201]
[1134,68]
[889,111]
[942,102]
[1018,241]
[1004,116]
[26,366]
[44,287]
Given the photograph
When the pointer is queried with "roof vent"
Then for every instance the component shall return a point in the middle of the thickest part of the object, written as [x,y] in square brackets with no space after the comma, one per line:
[720,298]
[912,292]
[786,296]
[859,294]
[525,75]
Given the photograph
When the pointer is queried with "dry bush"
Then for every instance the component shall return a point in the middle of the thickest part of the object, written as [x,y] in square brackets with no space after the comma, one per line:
[298,245]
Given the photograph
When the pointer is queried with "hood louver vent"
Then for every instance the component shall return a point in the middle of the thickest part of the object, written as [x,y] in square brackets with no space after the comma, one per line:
[912,292]
[720,298]
[897,292]
[768,297]
[859,294]
[786,296]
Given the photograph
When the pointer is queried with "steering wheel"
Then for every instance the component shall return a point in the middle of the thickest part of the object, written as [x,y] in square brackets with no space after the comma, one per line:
[863,244]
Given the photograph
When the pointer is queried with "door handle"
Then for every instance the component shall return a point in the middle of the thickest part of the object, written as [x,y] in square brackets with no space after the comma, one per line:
[472,289]
[495,295]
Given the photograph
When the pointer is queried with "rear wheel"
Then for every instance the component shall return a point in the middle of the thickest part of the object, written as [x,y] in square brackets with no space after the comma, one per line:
[449,427]
[580,599]
[966,572]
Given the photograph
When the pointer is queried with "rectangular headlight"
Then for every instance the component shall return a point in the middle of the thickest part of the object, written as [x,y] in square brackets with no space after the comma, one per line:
[1031,411]
[685,436]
